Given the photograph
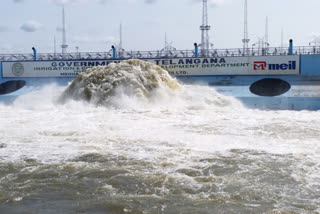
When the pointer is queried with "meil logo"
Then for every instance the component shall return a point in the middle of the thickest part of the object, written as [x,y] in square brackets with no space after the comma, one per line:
[259,66]
[262,65]
[290,66]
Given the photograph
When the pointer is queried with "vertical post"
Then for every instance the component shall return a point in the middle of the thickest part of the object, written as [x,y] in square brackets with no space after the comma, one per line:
[205,27]
[281,38]
[34,54]
[290,47]
[120,43]
[0,68]
[245,39]
[54,47]
[64,45]
[196,50]
[114,52]
[78,53]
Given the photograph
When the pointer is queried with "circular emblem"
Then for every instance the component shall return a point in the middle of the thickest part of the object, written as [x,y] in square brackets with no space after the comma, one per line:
[17,69]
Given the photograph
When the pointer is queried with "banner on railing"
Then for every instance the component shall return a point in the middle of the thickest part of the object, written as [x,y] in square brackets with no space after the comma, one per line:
[260,65]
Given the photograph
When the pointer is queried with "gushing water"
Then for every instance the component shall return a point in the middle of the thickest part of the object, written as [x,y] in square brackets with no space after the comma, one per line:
[133,78]
[183,151]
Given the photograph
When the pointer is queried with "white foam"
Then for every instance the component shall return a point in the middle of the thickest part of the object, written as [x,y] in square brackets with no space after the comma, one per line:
[173,130]
[196,120]
[171,125]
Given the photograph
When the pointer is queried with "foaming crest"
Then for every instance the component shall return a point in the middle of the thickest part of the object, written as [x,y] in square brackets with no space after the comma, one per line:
[131,78]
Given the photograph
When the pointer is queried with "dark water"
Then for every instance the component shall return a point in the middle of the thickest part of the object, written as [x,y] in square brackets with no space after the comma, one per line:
[238,182]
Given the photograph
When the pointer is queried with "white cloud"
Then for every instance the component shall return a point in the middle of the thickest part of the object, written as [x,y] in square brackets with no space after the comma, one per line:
[31,26]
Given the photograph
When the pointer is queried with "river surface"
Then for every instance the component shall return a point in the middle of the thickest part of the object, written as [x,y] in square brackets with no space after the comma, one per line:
[192,151]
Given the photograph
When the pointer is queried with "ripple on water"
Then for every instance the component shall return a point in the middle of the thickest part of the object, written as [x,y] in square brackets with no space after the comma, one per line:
[241,181]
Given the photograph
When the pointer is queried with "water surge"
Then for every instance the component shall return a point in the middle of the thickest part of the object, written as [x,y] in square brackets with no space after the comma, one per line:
[160,147]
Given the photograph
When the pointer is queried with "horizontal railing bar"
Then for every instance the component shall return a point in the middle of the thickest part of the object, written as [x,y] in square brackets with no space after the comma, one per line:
[254,51]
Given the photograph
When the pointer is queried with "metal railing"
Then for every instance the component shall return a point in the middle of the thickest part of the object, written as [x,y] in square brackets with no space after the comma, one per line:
[237,52]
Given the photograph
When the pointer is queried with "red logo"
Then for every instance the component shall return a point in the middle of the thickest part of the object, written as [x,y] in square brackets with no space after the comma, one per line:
[259,66]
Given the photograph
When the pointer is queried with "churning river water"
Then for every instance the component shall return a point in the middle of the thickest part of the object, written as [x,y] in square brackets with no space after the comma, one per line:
[192,151]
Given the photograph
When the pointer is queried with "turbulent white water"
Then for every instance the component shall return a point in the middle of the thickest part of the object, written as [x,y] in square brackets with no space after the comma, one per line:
[196,117]
[186,151]
[43,129]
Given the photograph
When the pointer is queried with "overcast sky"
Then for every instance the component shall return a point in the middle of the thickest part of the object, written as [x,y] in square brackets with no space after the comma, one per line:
[93,25]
